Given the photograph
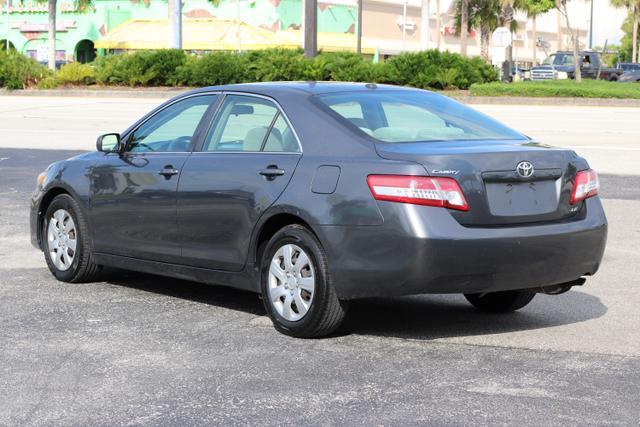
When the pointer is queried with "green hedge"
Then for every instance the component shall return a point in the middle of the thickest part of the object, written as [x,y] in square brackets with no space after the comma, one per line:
[560,88]
[19,72]
[430,69]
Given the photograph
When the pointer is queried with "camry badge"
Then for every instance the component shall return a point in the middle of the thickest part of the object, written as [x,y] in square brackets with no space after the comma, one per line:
[524,169]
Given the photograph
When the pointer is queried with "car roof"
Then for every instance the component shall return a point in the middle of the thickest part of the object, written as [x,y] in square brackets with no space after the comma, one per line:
[300,88]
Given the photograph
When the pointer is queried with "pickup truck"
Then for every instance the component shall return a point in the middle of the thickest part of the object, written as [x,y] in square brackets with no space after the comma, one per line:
[560,66]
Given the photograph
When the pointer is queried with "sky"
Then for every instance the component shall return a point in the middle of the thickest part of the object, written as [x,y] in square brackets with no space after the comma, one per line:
[606,23]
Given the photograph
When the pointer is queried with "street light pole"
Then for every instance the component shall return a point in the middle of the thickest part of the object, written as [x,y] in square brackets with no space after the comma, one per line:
[175,24]
[310,28]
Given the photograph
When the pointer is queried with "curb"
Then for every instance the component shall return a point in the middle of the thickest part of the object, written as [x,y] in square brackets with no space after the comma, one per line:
[165,93]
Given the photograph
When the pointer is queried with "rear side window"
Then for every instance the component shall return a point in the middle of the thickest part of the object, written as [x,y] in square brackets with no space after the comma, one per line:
[251,124]
[415,116]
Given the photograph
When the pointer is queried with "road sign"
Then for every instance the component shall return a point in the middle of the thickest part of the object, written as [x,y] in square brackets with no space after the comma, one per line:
[501,37]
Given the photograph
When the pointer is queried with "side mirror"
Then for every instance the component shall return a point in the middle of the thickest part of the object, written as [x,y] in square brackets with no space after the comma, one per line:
[108,143]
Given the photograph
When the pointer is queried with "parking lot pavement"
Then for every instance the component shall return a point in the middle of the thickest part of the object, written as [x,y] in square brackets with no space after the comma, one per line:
[139,349]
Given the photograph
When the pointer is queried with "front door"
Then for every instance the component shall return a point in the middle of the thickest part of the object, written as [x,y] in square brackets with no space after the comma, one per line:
[133,206]
[246,161]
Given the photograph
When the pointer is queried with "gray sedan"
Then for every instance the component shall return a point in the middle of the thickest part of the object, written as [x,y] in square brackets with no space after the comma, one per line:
[315,194]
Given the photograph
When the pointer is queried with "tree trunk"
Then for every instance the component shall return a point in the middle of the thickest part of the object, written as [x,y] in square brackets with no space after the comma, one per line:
[574,37]
[310,28]
[534,35]
[52,34]
[464,26]
[634,50]
[559,26]
[485,36]
[438,23]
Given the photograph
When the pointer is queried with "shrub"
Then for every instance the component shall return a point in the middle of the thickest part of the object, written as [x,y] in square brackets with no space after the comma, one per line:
[276,65]
[213,69]
[48,83]
[76,73]
[143,68]
[560,88]
[19,72]
[431,69]
[340,66]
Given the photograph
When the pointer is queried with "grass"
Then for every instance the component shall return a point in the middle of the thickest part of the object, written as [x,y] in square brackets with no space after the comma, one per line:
[559,88]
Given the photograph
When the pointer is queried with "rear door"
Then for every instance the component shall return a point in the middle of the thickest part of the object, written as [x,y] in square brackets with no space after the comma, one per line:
[134,193]
[243,165]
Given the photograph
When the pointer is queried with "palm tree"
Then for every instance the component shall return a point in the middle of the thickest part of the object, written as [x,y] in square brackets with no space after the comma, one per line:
[486,15]
[533,8]
[464,26]
[562,9]
[82,5]
[633,6]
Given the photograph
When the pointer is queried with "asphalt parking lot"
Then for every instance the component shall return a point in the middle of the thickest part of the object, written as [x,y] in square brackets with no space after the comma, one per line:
[139,349]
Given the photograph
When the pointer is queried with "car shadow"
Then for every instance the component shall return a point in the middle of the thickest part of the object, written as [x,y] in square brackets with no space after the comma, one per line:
[443,316]
[423,317]
[218,296]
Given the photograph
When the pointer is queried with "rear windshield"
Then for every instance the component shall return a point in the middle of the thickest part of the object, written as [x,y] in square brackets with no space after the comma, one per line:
[415,116]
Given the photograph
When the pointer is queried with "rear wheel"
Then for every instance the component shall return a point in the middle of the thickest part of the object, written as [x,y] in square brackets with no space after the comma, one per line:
[296,285]
[500,302]
[65,242]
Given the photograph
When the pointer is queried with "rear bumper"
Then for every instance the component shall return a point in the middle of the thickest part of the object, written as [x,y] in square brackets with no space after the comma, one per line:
[424,250]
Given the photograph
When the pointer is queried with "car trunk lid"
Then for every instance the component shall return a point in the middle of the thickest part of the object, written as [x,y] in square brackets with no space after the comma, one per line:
[486,171]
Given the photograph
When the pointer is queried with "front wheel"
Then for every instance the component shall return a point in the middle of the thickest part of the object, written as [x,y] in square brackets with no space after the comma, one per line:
[296,285]
[66,242]
[500,302]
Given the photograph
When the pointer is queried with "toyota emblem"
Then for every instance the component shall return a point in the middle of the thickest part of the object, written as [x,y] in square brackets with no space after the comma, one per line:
[525,169]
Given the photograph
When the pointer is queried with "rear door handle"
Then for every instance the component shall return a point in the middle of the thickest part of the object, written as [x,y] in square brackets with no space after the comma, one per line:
[168,171]
[271,172]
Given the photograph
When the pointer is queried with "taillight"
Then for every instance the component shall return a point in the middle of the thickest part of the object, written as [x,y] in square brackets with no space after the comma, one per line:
[419,190]
[586,185]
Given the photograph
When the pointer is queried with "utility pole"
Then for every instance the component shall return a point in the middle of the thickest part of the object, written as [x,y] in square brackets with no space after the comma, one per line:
[310,28]
[425,27]
[591,28]
[175,24]
[359,28]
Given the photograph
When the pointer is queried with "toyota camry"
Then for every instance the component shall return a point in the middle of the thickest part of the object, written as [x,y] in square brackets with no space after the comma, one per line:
[315,194]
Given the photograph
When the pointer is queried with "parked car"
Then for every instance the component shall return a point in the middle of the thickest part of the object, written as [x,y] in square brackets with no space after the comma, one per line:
[315,194]
[630,76]
[628,66]
[560,65]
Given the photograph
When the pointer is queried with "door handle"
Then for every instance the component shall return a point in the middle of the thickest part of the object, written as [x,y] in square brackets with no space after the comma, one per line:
[168,171]
[272,172]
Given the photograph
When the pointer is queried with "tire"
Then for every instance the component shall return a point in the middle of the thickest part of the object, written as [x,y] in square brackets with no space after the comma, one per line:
[305,279]
[74,264]
[500,302]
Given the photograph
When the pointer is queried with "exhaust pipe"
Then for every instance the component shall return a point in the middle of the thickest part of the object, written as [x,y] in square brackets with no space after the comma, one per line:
[562,287]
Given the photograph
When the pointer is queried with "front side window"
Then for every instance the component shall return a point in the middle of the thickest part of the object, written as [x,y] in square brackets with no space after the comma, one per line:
[247,123]
[414,116]
[171,129]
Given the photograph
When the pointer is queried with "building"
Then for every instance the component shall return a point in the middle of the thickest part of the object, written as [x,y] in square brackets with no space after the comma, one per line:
[389,26]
